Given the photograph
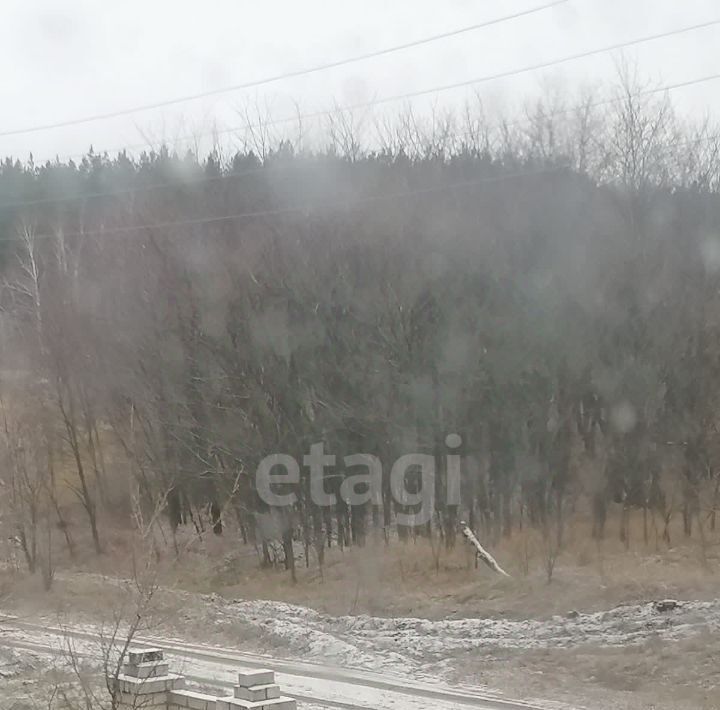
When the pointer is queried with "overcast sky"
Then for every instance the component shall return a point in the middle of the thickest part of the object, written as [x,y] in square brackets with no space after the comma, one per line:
[73,58]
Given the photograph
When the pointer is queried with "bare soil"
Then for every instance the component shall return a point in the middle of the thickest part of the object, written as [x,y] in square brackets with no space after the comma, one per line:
[589,638]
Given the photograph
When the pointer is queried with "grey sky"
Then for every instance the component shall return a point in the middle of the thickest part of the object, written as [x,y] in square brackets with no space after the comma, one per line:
[79,57]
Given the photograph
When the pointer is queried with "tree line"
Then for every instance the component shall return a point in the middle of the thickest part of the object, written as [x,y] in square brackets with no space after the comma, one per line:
[545,288]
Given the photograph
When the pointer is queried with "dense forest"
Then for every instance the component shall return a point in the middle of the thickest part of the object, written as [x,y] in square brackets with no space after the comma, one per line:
[547,288]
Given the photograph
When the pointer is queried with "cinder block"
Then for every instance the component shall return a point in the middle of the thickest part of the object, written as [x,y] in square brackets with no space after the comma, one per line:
[152,700]
[281,703]
[193,700]
[246,679]
[145,655]
[258,692]
[152,685]
[147,669]
[178,697]
[146,686]
[182,697]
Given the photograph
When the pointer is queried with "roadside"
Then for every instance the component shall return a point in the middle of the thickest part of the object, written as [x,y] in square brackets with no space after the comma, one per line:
[632,656]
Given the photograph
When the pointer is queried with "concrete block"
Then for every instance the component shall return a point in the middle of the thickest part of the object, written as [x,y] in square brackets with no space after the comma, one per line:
[258,692]
[178,697]
[147,669]
[145,686]
[147,683]
[193,700]
[232,703]
[246,679]
[152,700]
[144,655]
[281,704]
[272,692]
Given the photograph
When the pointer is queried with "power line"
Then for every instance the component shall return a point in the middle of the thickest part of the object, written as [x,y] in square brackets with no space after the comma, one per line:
[279,168]
[437,89]
[620,99]
[535,67]
[304,208]
[500,75]
[279,77]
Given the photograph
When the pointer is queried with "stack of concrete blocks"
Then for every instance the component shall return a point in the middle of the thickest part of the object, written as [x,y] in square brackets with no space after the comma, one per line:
[184,699]
[256,690]
[146,680]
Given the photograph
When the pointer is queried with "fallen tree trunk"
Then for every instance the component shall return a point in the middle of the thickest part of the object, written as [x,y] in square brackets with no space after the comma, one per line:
[481,552]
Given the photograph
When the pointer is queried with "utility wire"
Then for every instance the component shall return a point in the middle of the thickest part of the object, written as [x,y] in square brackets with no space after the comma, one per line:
[615,99]
[304,208]
[533,67]
[437,89]
[279,77]
[281,168]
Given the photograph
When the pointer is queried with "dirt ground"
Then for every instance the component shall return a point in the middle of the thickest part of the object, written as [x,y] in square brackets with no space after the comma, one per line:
[24,681]
[588,639]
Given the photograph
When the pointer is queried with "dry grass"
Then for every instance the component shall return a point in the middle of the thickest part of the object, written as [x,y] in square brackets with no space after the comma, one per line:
[416,578]
[651,676]
[420,579]
[410,580]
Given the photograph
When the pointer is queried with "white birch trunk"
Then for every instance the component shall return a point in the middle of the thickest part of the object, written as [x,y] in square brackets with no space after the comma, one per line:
[482,553]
